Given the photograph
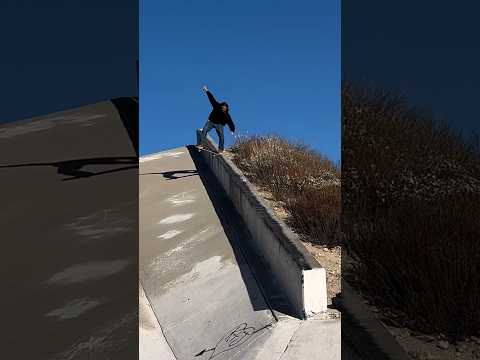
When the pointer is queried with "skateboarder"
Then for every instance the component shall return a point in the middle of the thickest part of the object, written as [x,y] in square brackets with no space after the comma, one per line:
[218,118]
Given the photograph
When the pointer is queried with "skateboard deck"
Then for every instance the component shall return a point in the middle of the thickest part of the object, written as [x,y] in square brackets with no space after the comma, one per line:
[203,148]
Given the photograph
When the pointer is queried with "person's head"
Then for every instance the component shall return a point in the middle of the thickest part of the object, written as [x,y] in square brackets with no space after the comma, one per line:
[224,106]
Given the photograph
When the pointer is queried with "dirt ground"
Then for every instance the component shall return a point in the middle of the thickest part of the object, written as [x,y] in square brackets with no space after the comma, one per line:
[423,347]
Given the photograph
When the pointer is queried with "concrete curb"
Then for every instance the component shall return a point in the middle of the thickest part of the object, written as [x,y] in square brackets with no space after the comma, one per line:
[302,278]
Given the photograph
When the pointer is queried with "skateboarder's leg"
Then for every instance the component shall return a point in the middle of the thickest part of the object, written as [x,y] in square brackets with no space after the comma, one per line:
[206,128]
[221,140]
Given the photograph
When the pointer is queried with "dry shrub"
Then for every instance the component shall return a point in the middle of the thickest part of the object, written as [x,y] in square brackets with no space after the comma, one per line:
[317,213]
[410,212]
[304,181]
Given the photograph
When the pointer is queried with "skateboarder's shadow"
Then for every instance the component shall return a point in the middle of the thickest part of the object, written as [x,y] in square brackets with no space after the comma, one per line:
[73,168]
[174,175]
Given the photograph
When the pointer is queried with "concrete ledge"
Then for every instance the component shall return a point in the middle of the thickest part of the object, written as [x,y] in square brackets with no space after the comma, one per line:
[302,278]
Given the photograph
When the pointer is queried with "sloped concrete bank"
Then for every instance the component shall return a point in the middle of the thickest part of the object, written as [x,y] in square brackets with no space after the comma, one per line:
[302,278]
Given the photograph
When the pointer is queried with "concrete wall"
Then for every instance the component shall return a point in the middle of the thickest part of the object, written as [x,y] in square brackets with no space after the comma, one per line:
[302,278]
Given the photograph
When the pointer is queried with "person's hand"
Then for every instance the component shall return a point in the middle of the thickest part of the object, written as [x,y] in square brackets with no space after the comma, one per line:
[205,89]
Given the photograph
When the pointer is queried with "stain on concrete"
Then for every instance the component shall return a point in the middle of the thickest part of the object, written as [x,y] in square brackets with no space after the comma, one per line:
[176,219]
[74,308]
[93,270]
[169,234]
[183,198]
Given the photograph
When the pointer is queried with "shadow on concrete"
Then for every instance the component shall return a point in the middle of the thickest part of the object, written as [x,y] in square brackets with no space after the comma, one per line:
[73,167]
[238,236]
[173,175]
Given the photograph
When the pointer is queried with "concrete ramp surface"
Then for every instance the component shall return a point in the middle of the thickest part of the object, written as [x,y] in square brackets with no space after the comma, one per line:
[69,234]
[195,277]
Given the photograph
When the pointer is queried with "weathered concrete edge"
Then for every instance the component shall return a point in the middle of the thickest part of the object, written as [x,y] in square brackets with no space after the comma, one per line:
[303,278]
[366,334]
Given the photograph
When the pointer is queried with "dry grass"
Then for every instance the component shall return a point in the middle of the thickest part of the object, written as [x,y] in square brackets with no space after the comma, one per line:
[306,183]
[410,213]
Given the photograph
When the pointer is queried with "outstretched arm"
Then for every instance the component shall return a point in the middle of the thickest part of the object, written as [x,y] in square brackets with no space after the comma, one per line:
[230,123]
[210,97]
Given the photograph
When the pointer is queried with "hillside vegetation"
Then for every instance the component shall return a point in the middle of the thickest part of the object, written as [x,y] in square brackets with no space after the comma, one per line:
[410,213]
[304,182]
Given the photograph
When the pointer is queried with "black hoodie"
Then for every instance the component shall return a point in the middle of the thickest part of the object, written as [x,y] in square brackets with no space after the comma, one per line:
[217,116]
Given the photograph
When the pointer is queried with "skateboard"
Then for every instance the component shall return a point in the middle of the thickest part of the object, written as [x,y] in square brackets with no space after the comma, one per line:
[203,148]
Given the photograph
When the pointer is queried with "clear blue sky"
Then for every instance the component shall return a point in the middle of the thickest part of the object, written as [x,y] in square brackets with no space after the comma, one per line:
[277,64]
[59,55]
[433,64]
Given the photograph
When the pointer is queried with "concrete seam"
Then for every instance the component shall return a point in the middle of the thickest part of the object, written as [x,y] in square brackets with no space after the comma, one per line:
[304,313]
[289,341]
[158,321]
